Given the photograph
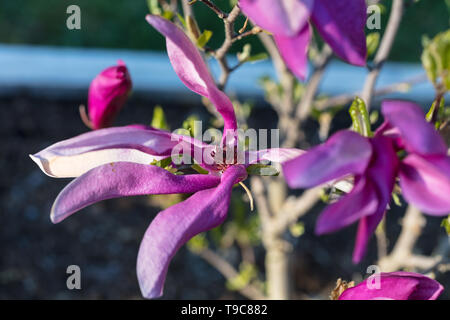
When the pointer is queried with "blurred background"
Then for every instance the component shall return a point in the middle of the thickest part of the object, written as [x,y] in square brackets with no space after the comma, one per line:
[44,78]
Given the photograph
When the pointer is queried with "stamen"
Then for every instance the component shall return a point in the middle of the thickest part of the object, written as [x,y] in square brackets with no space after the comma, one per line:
[249,195]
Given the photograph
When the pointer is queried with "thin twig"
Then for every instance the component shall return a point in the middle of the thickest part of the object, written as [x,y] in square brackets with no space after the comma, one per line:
[221,14]
[384,50]
[230,273]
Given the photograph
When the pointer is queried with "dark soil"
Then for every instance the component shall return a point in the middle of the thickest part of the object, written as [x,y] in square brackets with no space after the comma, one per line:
[103,239]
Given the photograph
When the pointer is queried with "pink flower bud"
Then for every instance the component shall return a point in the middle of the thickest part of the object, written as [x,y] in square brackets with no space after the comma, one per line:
[107,95]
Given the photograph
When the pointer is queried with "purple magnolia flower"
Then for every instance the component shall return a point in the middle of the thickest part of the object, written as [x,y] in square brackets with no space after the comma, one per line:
[108,93]
[116,162]
[395,286]
[374,165]
[340,23]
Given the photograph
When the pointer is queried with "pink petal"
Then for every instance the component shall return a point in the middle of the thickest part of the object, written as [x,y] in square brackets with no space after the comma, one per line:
[416,133]
[341,24]
[191,69]
[75,156]
[344,153]
[294,50]
[395,286]
[108,92]
[123,179]
[174,226]
[382,171]
[425,182]
[281,17]
[362,201]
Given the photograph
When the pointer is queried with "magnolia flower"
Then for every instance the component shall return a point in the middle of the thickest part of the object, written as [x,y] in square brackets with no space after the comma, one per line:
[116,162]
[340,23]
[394,286]
[108,93]
[374,164]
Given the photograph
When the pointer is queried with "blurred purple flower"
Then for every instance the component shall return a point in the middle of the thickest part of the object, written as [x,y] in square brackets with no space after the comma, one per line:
[108,93]
[374,164]
[395,286]
[115,162]
[340,23]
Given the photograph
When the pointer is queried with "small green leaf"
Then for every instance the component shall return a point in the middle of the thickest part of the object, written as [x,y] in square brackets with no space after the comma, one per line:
[204,38]
[199,169]
[258,57]
[446,224]
[297,229]
[198,243]
[181,18]
[153,7]
[360,117]
[436,59]
[159,119]
[247,272]
[373,40]
[168,15]
[262,170]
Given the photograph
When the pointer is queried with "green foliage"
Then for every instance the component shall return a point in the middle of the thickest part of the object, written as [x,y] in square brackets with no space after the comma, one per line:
[360,117]
[262,170]
[198,243]
[437,115]
[204,38]
[446,224]
[436,59]
[189,124]
[247,273]
[373,40]
[246,56]
[297,229]
[159,119]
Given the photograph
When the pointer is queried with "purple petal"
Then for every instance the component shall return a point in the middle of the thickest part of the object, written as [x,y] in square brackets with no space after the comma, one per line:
[341,24]
[344,153]
[395,286]
[281,17]
[75,156]
[425,182]
[360,202]
[174,226]
[417,134]
[191,69]
[382,171]
[108,92]
[295,51]
[123,179]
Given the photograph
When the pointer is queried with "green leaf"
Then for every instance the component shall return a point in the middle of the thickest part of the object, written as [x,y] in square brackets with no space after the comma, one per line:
[198,243]
[360,117]
[199,169]
[159,119]
[247,272]
[436,59]
[446,224]
[373,40]
[168,15]
[204,38]
[297,229]
[153,7]
[181,18]
[262,170]
[258,57]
